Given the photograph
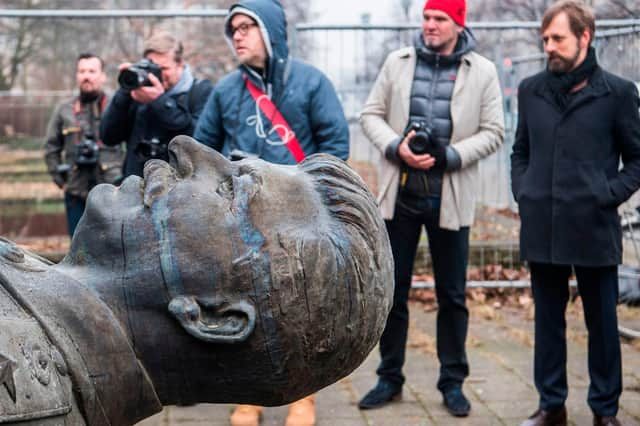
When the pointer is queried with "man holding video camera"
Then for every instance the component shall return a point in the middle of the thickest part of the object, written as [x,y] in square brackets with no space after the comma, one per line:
[434,111]
[158,98]
[76,159]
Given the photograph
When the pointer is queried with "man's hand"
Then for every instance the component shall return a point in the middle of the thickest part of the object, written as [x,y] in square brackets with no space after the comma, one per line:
[60,181]
[420,162]
[146,94]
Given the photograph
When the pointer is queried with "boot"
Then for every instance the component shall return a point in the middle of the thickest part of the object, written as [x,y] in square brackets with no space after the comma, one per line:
[246,415]
[302,412]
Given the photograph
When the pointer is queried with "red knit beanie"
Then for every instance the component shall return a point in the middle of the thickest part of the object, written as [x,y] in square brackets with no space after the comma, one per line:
[456,9]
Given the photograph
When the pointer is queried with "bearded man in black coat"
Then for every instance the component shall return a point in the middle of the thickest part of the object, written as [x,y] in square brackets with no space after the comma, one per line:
[576,124]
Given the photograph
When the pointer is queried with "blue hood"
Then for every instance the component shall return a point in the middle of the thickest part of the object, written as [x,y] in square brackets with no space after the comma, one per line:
[273,24]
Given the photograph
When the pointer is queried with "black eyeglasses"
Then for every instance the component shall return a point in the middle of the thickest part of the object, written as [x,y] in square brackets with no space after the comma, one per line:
[243,28]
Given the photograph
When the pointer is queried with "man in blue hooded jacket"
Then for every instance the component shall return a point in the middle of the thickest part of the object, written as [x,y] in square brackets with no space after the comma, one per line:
[275,108]
[306,115]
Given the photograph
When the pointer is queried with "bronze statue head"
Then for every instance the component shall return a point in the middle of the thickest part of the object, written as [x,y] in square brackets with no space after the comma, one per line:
[239,281]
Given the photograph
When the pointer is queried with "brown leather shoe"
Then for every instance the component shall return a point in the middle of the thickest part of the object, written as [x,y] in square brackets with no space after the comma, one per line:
[302,412]
[605,421]
[547,418]
[246,415]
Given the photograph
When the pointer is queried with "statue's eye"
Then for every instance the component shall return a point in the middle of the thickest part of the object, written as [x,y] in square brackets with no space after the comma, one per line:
[226,188]
[248,169]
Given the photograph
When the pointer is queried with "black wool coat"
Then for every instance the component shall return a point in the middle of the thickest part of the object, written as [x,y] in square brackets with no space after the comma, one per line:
[566,169]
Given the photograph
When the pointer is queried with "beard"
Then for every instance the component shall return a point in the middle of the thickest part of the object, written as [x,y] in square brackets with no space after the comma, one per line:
[563,64]
[436,46]
[89,96]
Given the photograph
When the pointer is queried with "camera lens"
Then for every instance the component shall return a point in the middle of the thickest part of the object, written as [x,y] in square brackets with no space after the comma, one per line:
[130,79]
[419,144]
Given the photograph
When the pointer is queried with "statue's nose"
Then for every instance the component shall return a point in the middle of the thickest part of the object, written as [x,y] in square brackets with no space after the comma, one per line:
[187,156]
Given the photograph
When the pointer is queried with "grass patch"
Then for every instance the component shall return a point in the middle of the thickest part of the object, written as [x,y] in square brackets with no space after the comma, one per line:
[22,142]
[24,177]
[19,208]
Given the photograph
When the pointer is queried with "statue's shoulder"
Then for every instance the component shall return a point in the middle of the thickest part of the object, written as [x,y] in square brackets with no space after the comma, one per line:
[35,383]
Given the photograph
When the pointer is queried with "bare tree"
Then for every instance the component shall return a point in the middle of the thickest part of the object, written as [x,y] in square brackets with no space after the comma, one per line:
[619,9]
[20,40]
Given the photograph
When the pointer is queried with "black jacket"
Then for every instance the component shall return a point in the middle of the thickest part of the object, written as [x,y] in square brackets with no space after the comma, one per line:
[163,119]
[566,174]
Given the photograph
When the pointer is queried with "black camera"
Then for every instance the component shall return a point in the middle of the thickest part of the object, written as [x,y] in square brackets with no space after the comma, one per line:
[87,151]
[137,75]
[152,148]
[422,142]
[238,154]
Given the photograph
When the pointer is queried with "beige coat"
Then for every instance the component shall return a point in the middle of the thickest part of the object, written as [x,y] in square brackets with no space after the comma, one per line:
[478,129]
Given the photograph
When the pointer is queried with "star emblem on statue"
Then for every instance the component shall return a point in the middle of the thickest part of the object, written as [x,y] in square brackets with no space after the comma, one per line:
[6,376]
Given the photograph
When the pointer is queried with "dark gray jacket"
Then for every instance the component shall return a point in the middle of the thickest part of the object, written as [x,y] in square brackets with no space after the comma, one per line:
[69,126]
[431,93]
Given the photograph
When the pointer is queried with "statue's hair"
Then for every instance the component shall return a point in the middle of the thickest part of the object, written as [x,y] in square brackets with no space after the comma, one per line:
[334,278]
[347,198]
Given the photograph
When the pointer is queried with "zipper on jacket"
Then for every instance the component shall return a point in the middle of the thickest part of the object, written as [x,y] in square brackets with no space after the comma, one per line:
[432,94]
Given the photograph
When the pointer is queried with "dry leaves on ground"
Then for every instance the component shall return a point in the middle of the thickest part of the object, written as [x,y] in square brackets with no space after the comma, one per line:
[494,272]
[483,302]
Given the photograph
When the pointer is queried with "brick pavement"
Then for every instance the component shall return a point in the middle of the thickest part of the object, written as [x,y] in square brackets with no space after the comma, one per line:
[500,386]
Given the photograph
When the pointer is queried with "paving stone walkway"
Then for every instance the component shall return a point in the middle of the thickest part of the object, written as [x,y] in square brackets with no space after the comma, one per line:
[500,386]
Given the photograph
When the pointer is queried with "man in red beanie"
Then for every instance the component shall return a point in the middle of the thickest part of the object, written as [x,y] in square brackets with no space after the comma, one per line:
[433,113]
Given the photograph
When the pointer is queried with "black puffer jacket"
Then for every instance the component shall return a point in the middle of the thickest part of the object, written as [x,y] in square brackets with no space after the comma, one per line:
[430,104]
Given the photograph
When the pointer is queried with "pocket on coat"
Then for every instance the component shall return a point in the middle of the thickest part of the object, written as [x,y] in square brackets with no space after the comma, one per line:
[603,191]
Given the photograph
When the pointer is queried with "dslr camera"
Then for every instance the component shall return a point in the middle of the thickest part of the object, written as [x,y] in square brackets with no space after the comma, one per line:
[152,148]
[423,141]
[87,151]
[137,75]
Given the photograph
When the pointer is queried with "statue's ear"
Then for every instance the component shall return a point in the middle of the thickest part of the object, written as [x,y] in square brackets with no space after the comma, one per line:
[214,321]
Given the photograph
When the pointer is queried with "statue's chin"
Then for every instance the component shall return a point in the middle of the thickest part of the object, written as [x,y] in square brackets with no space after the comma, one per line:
[108,210]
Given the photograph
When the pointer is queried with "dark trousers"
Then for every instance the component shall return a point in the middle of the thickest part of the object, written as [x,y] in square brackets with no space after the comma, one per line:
[598,288]
[449,254]
[74,207]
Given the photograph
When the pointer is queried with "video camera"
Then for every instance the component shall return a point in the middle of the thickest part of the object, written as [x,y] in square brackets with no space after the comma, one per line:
[137,75]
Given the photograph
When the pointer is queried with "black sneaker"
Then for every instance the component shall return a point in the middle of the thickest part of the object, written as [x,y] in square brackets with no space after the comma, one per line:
[457,404]
[380,395]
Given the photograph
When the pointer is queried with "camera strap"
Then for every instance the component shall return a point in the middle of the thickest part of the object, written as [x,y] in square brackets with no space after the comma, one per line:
[277,120]
[94,112]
